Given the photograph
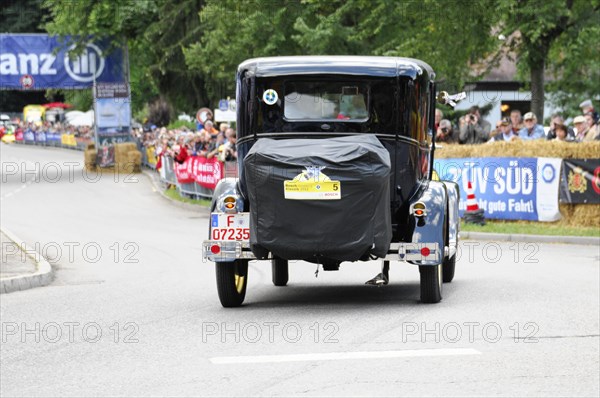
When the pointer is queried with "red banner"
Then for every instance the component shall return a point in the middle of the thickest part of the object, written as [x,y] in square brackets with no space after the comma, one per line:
[19,135]
[205,172]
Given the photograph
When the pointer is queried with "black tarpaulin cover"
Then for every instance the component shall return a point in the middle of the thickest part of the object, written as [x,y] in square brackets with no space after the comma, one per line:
[343,213]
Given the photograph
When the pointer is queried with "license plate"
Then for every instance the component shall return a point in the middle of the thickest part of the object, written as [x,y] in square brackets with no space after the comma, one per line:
[312,190]
[230,227]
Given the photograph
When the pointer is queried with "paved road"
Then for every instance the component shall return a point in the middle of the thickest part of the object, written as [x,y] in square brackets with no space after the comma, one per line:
[134,311]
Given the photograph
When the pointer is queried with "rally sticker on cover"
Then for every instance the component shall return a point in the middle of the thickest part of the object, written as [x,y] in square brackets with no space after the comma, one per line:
[312,184]
[270,96]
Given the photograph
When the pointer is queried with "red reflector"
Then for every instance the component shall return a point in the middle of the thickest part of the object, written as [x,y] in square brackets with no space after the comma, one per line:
[215,249]
[425,252]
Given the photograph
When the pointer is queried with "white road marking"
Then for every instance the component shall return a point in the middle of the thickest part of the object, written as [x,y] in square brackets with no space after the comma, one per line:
[333,356]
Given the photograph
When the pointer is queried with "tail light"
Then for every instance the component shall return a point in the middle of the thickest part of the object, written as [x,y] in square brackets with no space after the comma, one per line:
[419,209]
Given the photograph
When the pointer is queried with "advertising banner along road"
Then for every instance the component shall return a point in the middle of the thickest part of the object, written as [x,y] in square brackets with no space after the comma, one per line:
[507,188]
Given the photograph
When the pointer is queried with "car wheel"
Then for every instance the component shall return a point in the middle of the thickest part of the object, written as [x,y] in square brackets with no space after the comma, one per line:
[448,269]
[232,279]
[279,268]
[431,283]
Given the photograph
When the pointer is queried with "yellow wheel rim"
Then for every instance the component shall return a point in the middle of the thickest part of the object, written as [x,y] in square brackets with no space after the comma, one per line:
[239,283]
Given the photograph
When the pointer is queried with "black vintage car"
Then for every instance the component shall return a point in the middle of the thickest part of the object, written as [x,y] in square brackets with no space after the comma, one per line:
[335,164]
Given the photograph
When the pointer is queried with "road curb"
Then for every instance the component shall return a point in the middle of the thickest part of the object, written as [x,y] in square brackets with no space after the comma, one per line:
[159,190]
[574,240]
[42,277]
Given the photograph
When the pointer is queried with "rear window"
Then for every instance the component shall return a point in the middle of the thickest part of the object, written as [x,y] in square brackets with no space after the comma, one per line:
[325,101]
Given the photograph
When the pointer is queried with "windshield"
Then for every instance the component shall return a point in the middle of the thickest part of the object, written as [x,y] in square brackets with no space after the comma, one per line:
[325,101]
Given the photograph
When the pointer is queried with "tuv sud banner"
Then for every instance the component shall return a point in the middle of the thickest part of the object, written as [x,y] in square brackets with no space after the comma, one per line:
[39,62]
[507,188]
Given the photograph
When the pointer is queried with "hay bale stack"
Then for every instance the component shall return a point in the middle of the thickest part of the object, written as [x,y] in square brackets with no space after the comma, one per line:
[89,159]
[122,151]
[523,149]
[135,161]
[586,215]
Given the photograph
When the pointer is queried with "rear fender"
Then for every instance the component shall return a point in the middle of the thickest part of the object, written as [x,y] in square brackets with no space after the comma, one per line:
[430,228]
[453,192]
[225,187]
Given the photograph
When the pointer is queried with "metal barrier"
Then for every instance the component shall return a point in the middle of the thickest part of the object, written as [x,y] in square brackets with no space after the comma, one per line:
[167,171]
[80,143]
[192,190]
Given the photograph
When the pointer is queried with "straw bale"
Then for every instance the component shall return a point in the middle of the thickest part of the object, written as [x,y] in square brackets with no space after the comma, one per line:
[524,149]
[573,214]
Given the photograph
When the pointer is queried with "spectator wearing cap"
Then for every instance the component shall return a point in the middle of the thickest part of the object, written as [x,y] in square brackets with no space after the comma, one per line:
[581,128]
[473,128]
[593,132]
[445,133]
[504,131]
[532,130]
[587,106]
[555,121]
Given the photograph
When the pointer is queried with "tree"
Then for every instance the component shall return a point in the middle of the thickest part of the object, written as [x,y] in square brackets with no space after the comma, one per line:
[238,30]
[444,36]
[556,27]
[155,31]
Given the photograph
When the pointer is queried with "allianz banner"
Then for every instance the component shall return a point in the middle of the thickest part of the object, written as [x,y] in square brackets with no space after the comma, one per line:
[34,62]
[580,181]
[507,188]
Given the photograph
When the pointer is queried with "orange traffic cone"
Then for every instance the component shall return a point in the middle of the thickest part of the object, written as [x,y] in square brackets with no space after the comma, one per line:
[473,214]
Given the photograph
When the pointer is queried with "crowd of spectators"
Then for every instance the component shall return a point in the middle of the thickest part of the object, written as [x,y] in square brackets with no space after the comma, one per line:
[35,130]
[474,129]
[206,141]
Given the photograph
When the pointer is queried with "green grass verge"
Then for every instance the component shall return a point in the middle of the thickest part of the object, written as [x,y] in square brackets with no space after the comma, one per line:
[530,228]
[173,194]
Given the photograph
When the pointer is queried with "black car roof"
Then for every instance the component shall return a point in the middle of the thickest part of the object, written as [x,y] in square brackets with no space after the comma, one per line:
[345,65]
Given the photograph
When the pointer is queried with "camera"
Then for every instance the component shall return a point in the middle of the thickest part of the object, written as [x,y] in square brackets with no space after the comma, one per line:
[471,117]
[444,130]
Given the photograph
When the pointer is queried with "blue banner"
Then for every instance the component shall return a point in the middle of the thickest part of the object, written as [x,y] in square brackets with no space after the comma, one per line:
[29,136]
[53,137]
[40,136]
[507,188]
[33,62]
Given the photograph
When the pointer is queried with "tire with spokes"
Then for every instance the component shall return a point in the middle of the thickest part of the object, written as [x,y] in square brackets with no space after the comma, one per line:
[232,279]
